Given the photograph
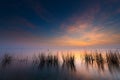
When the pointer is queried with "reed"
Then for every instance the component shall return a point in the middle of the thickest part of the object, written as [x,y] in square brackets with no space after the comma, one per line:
[7,59]
[113,58]
[69,62]
[49,60]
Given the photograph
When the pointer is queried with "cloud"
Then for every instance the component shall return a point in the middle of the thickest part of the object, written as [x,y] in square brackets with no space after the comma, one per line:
[41,11]
[21,37]
[81,30]
[17,21]
[117,11]
[85,17]
[14,29]
[111,1]
[26,23]
[93,37]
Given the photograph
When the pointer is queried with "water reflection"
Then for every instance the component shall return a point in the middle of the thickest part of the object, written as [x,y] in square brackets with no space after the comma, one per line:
[59,64]
[42,61]
[49,61]
[100,62]
[69,62]
[111,60]
[88,59]
[7,60]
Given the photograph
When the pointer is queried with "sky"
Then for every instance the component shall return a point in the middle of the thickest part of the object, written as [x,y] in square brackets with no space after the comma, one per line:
[80,23]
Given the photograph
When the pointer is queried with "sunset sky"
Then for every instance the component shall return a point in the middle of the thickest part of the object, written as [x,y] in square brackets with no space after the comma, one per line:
[81,23]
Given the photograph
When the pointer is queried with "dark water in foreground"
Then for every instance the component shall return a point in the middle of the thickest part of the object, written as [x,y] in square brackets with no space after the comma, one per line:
[60,65]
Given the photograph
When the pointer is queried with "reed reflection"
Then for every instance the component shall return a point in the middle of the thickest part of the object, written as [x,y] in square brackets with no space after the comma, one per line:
[100,61]
[6,60]
[50,61]
[69,62]
[108,61]
[113,60]
[88,59]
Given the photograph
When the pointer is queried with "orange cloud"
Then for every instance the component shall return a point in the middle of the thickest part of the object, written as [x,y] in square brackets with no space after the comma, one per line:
[82,31]
[78,28]
[90,38]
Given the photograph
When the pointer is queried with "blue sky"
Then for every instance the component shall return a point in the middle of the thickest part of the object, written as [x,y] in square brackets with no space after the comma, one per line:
[59,23]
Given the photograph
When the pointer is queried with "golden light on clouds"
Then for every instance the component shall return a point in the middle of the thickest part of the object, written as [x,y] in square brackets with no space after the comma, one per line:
[86,35]
[83,30]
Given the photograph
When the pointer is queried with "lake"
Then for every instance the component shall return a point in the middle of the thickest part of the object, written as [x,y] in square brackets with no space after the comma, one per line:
[59,64]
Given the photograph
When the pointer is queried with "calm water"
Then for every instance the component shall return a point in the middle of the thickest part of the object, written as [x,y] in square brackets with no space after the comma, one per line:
[27,64]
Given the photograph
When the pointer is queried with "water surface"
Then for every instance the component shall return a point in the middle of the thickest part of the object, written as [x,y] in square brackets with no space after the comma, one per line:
[56,64]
